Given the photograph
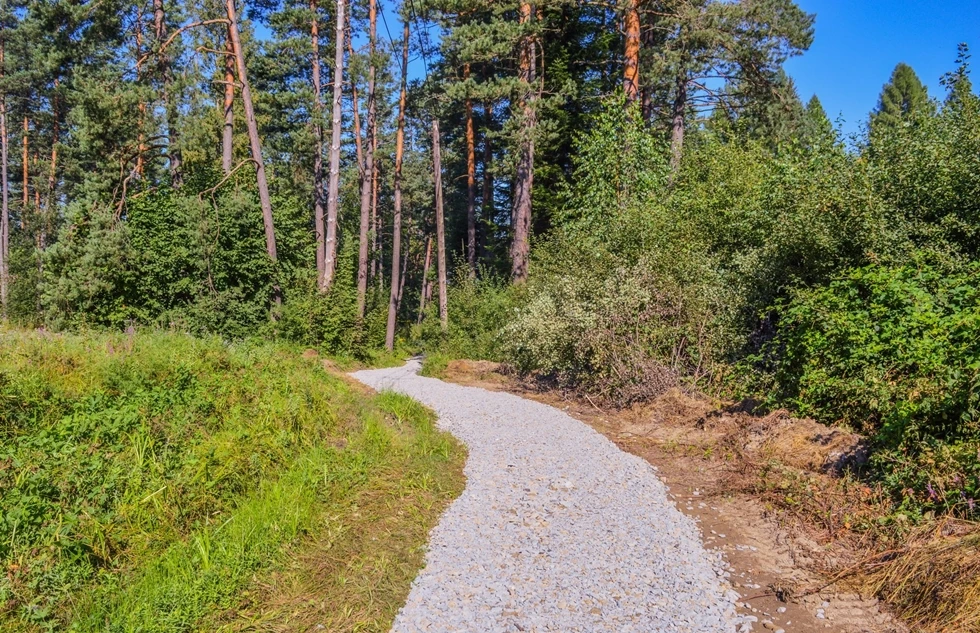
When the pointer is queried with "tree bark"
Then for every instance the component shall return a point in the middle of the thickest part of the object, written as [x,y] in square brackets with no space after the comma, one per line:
[678,111]
[524,179]
[631,62]
[397,282]
[487,201]
[470,182]
[25,187]
[368,179]
[440,227]
[141,108]
[424,292]
[319,227]
[228,129]
[170,105]
[5,208]
[256,145]
[53,168]
[375,221]
[333,192]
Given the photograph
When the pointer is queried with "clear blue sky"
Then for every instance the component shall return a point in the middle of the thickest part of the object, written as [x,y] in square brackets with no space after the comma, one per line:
[858,42]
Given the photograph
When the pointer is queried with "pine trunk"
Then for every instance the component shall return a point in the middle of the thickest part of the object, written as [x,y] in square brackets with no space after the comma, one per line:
[631,64]
[677,121]
[319,228]
[228,110]
[169,102]
[470,182]
[333,192]
[25,187]
[5,207]
[424,292]
[367,181]
[397,279]
[440,227]
[524,178]
[255,143]
[487,201]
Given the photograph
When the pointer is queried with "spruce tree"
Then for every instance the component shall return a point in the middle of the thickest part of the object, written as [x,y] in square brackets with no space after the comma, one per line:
[902,98]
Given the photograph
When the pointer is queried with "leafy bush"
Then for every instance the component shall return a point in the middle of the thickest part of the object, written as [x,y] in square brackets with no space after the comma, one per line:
[893,352]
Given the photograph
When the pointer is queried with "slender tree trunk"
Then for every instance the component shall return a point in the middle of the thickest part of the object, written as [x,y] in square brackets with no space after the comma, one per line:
[487,201]
[678,111]
[25,187]
[318,218]
[256,145]
[141,108]
[356,110]
[440,227]
[401,282]
[397,280]
[333,192]
[524,180]
[470,182]
[5,208]
[53,170]
[375,219]
[424,293]
[170,103]
[631,64]
[366,183]
[228,109]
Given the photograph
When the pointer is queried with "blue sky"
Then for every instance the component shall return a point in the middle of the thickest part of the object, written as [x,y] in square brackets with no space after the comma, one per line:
[858,42]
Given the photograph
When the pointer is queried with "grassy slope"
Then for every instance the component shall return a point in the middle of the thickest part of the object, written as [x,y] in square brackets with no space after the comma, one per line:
[164,483]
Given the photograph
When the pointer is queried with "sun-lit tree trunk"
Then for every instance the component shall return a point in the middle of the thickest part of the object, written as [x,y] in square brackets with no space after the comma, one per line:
[397,280]
[440,227]
[486,203]
[424,293]
[255,143]
[524,178]
[678,111]
[5,195]
[375,256]
[631,59]
[141,108]
[333,191]
[470,182]
[368,179]
[319,228]
[170,102]
[228,109]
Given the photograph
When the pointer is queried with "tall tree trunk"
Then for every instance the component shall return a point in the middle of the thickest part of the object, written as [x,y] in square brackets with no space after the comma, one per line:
[470,182]
[631,61]
[524,179]
[487,202]
[256,145]
[333,192]
[678,111]
[25,187]
[5,184]
[141,108]
[356,111]
[170,103]
[366,182]
[375,220]
[440,227]
[53,170]
[228,109]
[318,220]
[397,281]
[424,292]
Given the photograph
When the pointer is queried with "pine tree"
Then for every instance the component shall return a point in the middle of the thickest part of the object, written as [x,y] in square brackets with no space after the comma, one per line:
[902,98]
[816,128]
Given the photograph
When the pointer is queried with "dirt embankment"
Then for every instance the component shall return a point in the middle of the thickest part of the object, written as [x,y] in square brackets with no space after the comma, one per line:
[803,536]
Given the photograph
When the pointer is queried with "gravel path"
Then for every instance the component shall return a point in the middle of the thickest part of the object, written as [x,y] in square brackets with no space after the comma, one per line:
[557,529]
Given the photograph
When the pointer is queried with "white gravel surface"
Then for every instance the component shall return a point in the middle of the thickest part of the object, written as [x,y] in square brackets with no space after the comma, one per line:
[557,529]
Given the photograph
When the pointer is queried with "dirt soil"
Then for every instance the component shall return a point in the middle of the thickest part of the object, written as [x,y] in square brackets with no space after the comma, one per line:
[785,566]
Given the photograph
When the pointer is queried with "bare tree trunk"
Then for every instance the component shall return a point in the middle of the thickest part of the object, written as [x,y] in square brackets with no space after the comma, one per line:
[356,111]
[25,187]
[228,129]
[524,180]
[53,170]
[366,183]
[375,221]
[631,64]
[401,283]
[470,182]
[141,108]
[424,293]
[440,227]
[333,192]
[166,73]
[319,228]
[256,145]
[678,111]
[398,281]
[4,182]
[487,201]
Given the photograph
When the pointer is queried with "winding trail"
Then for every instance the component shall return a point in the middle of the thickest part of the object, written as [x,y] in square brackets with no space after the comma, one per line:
[557,529]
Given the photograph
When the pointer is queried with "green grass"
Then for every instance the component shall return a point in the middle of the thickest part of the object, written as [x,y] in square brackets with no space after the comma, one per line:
[160,482]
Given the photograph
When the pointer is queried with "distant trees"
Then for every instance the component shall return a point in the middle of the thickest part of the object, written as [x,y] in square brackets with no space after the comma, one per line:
[903,97]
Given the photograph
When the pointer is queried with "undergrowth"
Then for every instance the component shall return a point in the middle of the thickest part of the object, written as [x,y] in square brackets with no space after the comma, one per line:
[147,480]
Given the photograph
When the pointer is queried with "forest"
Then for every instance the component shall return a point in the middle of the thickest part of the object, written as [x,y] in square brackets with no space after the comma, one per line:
[615,199]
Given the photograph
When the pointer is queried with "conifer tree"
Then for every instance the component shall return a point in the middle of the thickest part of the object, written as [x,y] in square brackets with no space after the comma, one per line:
[902,98]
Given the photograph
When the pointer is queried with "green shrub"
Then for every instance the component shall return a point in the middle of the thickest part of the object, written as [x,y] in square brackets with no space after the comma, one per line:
[892,352]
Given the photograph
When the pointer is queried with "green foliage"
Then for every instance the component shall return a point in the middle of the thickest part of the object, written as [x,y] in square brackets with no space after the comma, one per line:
[902,99]
[892,351]
[145,479]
